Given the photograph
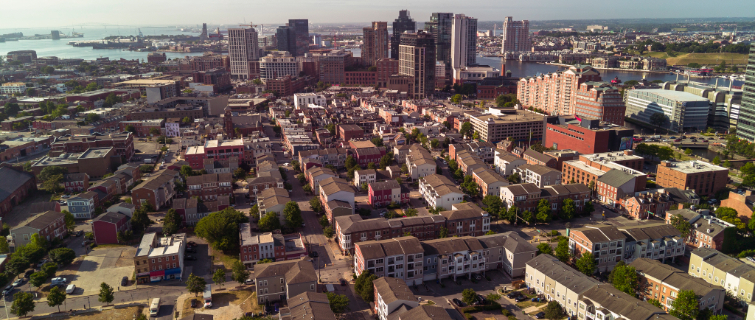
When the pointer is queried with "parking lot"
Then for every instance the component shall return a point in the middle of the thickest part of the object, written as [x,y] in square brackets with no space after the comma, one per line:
[107,265]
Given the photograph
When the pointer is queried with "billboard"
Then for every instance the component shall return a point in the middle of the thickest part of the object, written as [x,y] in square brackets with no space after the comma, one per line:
[626,143]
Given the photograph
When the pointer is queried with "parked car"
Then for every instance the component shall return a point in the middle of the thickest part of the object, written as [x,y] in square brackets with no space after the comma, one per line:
[459,303]
[124,281]
[79,233]
[18,282]
[194,303]
[7,290]
[513,294]
[520,298]
[192,258]
[59,281]
[481,299]
[249,281]
[71,288]
[191,250]
[28,273]
[540,315]
[343,282]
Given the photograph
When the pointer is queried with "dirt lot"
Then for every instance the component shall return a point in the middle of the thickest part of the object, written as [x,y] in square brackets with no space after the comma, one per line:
[226,305]
[112,314]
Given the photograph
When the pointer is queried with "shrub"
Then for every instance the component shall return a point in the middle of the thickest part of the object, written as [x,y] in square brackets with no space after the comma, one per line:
[511,317]
[505,312]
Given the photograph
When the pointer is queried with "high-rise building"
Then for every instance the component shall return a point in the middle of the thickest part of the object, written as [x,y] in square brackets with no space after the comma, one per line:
[746,124]
[203,35]
[278,64]
[375,43]
[417,59]
[286,39]
[301,29]
[243,51]
[555,93]
[332,66]
[403,23]
[516,35]
[463,41]
[601,101]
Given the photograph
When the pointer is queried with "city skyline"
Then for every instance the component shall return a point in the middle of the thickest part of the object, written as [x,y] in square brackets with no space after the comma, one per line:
[54,14]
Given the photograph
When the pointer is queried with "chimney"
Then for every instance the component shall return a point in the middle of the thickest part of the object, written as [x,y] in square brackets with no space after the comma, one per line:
[503,68]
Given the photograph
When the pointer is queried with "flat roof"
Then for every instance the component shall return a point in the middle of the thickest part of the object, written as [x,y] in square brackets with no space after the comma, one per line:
[694,166]
[672,95]
[224,143]
[612,156]
[519,116]
[582,166]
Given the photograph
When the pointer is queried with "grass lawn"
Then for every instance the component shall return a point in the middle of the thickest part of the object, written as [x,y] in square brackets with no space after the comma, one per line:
[706,59]
[526,304]
[227,260]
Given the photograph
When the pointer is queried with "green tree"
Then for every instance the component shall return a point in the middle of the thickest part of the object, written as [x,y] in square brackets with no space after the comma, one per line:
[140,220]
[315,204]
[386,161]
[37,279]
[562,250]
[269,222]
[588,209]
[339,303]
[527,216]
[586,264]
[172,222]
[350,162]
[476,136]
[568,209]
[292,214]
[490,232]
[544,248]
[544,213]
[38,241]
[11,109]
[219,277]
[681,224]
[221,228]
[23,303]
[106,294]
[456,98]
[404,168]
[328,232]
[186,171]
[154,131]
[69,220]
[466,129]
[16,264]
[716,160]
[731,216]
[553,311]
[443,232]
[364,287]
[655,303]
[238,272]
[51,171]
[469,296]
[658,119]
[195,284]
[624,278]
[514,178]
[4,247]
[686,305]
[493,203]
[56,297]
[92,86]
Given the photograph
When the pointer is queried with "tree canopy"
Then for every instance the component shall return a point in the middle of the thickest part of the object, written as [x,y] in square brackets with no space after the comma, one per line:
[586,264]
[221,228]
[686,305]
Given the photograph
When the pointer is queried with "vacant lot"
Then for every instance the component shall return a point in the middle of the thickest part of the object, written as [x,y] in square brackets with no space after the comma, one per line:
[129,313]
[706,59]
[226,305]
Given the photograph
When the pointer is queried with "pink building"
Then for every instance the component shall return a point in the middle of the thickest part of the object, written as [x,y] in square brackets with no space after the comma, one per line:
[383,193]
[555,93]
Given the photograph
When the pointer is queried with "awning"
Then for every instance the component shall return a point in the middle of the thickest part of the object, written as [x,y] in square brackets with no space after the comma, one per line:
[160,273]
[173,271]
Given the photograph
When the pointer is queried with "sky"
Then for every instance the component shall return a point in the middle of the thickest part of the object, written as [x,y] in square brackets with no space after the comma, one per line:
[57,13]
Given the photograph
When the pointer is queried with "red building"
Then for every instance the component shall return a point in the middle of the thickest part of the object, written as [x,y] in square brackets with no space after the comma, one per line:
[366,155]
[602,101]
[492,87]
[586,136]
[107,225]
[16,186]
[101,94]
[123,144]
[360,78]
[350,131]
[219,78]
[143,127]
[555,93]
[383,193]
[385,69]
[286,86]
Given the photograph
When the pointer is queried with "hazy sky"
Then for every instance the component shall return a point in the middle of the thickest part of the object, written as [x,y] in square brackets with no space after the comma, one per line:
[44,13]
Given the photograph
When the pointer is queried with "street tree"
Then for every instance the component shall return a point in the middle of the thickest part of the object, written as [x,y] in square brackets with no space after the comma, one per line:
[339,303]
[186,171]
[553,311]
[466,129]
[23,303]
[544,248]
[469,296]
[56,297]
[106,293]
[568,209]
[269,222]
[586,264]
[219,277]
[658,119]
[624,278]
[493,203]
[221,228]
[364,287]
[238,272]
[171,222]
[315,204]
[527,216]
[69,220]
[37,279]
[195,284]
[686,305]
[562,250]
[544,212]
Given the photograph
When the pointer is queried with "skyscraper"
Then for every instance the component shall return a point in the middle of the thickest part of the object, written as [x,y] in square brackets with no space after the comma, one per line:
[417,59]
[463,41]
[439,27]
[286,38]
[375,43]
[746,124]
[242,50]
[301,29]
[402,24]
[203,35]
[516,35]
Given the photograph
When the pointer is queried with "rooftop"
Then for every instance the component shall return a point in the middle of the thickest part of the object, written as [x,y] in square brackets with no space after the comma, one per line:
[671,95]
[694,166]
[518,116]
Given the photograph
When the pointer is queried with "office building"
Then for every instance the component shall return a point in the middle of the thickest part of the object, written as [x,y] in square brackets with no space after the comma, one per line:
[286,39]
[683,110]
[555,93]
[278,64]
[586,135]
[516,35]
[375,43]
[703,177]
[600,100]
[243,51]
[746,123]
[417,60]
[440,27]
[301,32]
[332,66]
[521,125]
[403,23]
[725,102]
[463,44]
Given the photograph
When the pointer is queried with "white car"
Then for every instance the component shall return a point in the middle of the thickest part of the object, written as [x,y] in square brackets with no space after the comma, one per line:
[71,288]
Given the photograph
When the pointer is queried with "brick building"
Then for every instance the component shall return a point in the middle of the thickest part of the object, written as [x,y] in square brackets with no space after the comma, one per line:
[526,196]
[107,226]
[209,186]
[492,87]
[705,178]
[605,242]
[586,135]
[158,259]
[600,100]
[589,168]
[49,225]
[384,193]
[122,143]
[663,283]
[347,132]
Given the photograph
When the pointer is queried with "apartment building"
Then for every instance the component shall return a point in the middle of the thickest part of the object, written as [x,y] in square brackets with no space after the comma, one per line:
[313,305]
[520,125]
[278,64]
[652,241]
[283,280]
[662,282]
[707,231]
[399,258]
[303,100]
[317,174]
[336,196]
[326,156]
[273,200]
[158,259]
[526,196]
[439,191]
[555,93]
[210,185]
[705,178]
[390,295]
[420,162]
[466,219]
[683,110]
[541,176]
[469,162]
[454,257]
[735,276]
[259,246]
[516,35]
[386,192]
[489,181]
[49,225]
[615,185]
[243,52]
[605,301]
[600,100]
[589,168]
[417,59]
[505,162]
[605,242]
[536,158]
[375,45]
[558,282]
[159,190]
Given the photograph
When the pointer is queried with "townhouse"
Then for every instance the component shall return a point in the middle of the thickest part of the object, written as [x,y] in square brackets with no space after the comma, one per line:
[419,162]
[400,152]
[482,149]
[466,219]
[706,230]
[541,176]
[590,167]
[106,227]
[652,241]
[317,174]
[75,182]
[735,276]
[210,186]
[188,209]
[352,229]
[661,282]
[469,162]
[326,156]
[159,190]
[505,162]
[82,206]
[259,184]
[526,196]
[106,190]
[273,200]
[158,259]
[337,197]
[507,251]
[306,305]
[603,301]
[489,182]
[48,225]
[536,158]
[385,192]
[257,246]
[399,258]
[605,242]
[615,185]
[423,312]
[439,192]
[283,280]
[391,294]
